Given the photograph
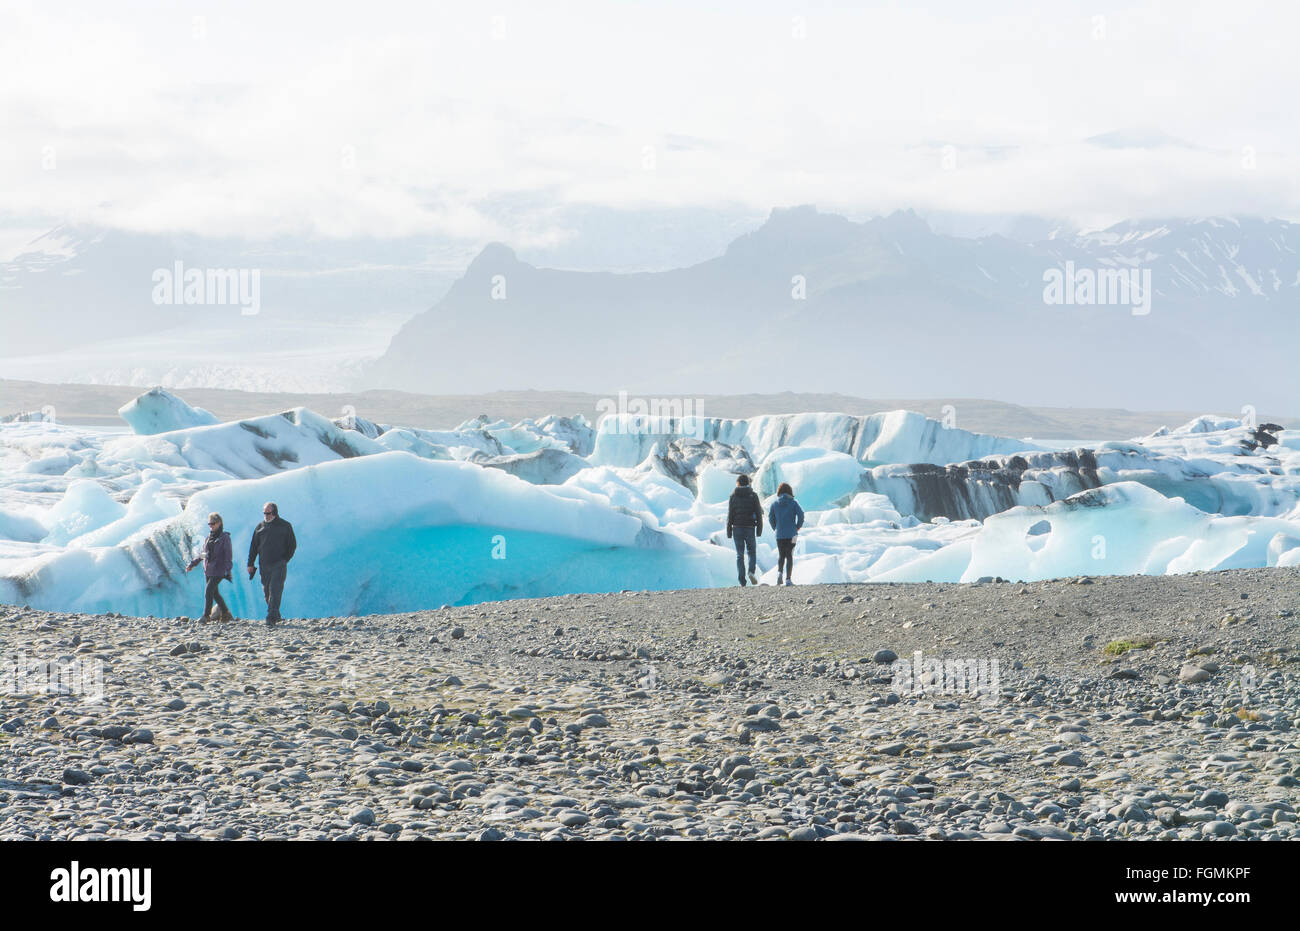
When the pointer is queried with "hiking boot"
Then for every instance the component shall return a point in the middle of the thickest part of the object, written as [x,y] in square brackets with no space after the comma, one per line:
[272,621]
[788,582]
[753,579]
[226,617]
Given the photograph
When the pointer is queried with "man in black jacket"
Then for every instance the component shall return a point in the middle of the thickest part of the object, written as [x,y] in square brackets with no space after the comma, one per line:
[274,542]
[744,526]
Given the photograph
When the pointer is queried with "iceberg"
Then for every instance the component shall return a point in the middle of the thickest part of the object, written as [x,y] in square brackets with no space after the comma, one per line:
[1232,484]
[378,534]
[545,466]
[686,459]
[820,478]
[85,507]
[651,497]
[248,448]
[895,436]
[1121,529]
[398,518]
[160,411]
[20,526]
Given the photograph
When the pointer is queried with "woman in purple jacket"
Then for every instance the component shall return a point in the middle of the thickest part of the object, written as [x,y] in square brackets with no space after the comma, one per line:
[217,559]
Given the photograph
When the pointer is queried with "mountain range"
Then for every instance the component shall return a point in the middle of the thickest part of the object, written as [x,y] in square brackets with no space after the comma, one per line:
[807,301]
[812,301]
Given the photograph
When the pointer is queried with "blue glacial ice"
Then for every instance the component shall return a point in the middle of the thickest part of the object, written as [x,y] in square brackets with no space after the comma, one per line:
[394,518]
[382,533]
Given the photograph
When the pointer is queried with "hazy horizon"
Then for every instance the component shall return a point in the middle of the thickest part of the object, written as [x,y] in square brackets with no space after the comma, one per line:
[355,168]
[488,125]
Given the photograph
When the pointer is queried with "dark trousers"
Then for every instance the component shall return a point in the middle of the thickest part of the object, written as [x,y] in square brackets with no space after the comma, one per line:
[210,595]
[785,557]
[273,587]
[745,538]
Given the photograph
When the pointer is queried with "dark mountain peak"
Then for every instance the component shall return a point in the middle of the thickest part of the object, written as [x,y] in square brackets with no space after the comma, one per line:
[796,231]
[901,221]
[494,257]
[802,220]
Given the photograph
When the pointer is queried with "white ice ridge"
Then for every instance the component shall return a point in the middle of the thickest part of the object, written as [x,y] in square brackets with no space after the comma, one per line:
[158,411]
[392,518]
[1121,529]
[894,436]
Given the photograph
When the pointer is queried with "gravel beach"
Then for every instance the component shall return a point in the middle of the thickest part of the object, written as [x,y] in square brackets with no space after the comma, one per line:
[1093,708]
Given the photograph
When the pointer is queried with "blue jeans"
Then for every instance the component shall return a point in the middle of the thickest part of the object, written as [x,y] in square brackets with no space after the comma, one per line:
[744,538]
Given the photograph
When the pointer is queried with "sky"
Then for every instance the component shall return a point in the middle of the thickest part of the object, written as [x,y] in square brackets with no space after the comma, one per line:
[490,121]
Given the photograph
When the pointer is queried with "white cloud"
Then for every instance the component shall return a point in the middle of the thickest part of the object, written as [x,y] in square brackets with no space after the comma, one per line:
[393,119]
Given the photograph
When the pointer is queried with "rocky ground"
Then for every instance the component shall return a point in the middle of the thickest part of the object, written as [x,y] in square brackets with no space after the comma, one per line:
[1133,707]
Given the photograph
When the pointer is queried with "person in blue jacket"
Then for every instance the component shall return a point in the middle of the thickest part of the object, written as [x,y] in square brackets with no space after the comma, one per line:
[785,517]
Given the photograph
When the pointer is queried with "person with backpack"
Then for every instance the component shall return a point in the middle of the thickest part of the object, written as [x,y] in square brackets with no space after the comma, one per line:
[786,517]
[217,559]
[744,526]
[275,544]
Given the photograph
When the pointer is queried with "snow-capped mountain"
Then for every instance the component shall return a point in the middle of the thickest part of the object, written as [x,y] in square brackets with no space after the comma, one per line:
[814,301]
[1207,257]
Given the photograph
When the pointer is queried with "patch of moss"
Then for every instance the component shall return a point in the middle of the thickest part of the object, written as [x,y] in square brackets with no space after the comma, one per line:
[1120,647]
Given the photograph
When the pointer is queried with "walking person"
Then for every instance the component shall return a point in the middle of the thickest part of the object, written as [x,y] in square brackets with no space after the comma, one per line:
[274,543]
[744,526]
[786,517]
[218,560]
